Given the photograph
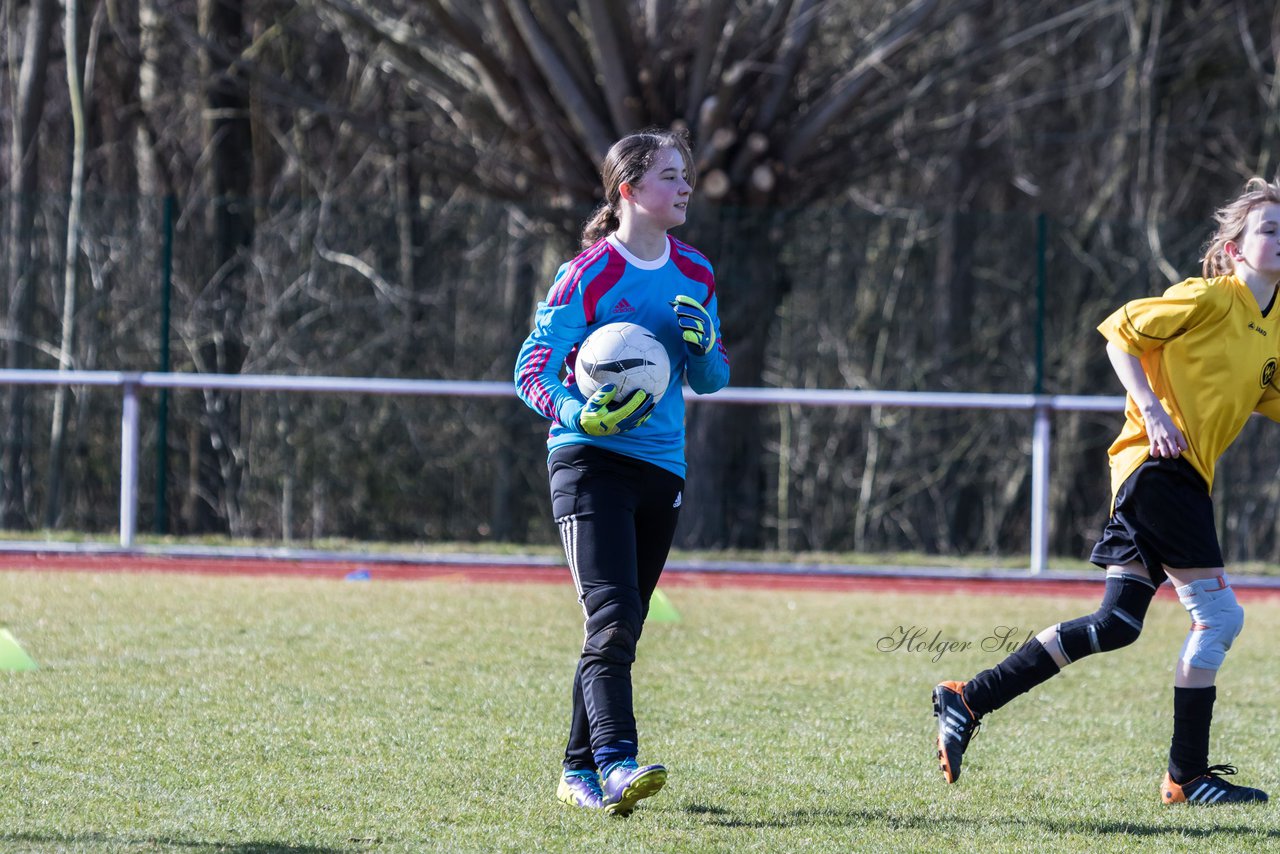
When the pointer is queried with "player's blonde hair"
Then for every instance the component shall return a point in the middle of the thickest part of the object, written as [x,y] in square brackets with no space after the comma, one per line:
[627,161]
[1230,218]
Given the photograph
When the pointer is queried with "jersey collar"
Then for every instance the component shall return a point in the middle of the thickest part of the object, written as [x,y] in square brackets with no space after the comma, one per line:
[656,264]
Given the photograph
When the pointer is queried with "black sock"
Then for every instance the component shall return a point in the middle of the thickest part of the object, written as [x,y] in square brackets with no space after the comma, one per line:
[1189,749]
[1023,670]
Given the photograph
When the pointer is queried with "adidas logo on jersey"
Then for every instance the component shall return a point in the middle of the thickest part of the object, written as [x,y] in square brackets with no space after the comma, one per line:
[623,307]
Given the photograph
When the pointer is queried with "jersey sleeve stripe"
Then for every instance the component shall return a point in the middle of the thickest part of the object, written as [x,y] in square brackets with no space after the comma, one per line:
[693,269]
[532,382]
[686,249]
[563,292]
[600,285]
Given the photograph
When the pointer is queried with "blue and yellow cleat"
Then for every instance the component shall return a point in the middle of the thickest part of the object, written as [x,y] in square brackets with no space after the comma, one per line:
[628,783]
[580,789]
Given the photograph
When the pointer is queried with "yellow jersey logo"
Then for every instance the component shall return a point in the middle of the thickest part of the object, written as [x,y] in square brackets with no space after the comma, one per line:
[1268,372]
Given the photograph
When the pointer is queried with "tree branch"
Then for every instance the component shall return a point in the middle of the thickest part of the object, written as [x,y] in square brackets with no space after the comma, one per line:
[577,107]
[606,48]
[549,137]
[405,49]
[896,34]
[800,29]
[657,14]
[492,71]
[570,46]
[709,37]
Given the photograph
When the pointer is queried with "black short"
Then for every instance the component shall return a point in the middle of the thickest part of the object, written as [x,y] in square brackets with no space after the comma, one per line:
[1163,516]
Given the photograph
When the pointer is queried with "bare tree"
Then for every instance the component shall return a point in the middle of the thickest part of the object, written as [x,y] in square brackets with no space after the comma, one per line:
[76,89]
[789,103]
[24,165]
[361,183]
[216,453]
[154,179]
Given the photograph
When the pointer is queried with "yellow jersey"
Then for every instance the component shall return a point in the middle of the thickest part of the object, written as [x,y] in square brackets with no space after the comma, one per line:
[1210,356]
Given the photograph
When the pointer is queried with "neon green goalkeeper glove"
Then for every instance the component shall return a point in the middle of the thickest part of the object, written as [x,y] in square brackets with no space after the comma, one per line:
[698,331]
[598,419]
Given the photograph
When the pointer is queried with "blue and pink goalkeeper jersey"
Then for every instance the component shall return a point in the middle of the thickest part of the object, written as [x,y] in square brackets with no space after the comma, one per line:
[607,284]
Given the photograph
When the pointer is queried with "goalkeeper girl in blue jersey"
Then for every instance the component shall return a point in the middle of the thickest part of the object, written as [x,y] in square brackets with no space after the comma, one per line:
[617,466]
[1196,363]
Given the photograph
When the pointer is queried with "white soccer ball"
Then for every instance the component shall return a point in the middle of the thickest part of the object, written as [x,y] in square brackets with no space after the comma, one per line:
[625,354]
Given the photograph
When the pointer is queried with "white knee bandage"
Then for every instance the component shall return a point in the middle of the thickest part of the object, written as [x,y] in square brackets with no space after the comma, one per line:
[1216,619]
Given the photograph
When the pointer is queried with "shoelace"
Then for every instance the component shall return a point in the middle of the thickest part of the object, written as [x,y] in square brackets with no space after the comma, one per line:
[625,764]
[1221,771]
[589,778]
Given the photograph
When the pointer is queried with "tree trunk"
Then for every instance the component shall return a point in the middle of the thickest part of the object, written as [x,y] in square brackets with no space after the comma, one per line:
[230,223]
[517,283]
[153,177]
[76,88]
[955,288]
[24,166]
[725,486]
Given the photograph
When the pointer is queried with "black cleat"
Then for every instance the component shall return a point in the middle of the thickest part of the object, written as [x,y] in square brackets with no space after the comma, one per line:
[1210,788]
[956,725]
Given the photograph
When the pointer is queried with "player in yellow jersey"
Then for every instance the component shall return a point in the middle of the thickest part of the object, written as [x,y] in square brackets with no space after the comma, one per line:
[1196,363]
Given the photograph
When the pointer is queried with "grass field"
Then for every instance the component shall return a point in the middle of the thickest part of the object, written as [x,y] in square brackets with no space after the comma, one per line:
[239,715]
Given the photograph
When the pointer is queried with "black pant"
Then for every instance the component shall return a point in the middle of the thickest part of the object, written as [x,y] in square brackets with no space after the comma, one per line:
[617,517]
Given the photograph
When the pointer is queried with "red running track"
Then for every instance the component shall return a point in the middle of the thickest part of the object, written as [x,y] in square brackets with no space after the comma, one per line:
[542,574]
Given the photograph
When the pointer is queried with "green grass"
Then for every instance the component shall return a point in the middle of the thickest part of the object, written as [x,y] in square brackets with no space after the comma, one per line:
[184,714]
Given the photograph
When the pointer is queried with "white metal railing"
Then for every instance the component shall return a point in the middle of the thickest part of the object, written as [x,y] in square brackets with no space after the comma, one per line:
[1043,406]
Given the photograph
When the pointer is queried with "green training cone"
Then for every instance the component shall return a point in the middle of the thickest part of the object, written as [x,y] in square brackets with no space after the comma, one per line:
[661,610]
[12,655]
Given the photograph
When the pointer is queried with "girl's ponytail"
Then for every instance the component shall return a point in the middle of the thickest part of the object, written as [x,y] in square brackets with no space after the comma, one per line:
[603,222]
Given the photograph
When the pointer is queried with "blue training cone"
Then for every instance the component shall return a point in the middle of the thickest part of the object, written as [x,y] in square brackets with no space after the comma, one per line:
[661,610]
[12,655]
